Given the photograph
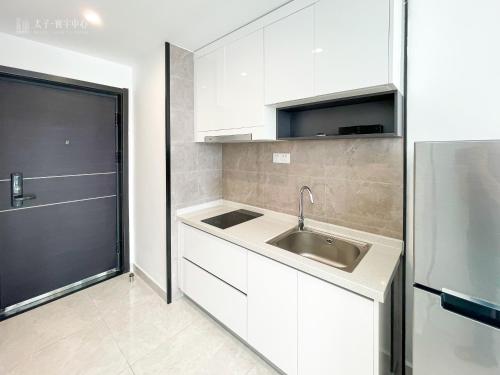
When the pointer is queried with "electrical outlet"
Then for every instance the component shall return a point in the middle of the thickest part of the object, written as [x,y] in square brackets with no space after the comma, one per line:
[281,157]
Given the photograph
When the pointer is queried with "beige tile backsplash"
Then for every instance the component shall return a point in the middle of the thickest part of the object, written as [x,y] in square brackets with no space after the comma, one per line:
[357,183]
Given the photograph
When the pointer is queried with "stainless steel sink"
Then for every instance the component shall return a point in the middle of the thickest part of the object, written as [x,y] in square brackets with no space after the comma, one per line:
[324,248]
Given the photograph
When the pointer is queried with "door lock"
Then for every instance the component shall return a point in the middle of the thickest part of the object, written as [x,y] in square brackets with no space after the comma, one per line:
[17,197]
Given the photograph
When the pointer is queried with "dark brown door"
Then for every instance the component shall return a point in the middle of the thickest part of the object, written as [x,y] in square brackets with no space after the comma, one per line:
[63,142]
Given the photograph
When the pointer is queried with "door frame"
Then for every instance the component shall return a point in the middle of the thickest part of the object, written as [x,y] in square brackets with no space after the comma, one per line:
[121,95]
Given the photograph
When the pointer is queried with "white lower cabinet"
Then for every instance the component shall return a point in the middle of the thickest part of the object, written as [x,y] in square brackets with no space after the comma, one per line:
[272,311]
[335,329]
[301,324]
[224,302]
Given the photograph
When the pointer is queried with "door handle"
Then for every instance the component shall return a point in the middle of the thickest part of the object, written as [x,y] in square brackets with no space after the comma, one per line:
[26,197]
[470,307]
[17,196]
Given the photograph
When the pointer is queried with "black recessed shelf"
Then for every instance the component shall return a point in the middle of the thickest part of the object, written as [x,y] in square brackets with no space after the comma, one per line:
[366,116]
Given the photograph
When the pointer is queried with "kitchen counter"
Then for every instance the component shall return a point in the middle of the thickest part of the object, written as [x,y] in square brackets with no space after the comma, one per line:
[371,278]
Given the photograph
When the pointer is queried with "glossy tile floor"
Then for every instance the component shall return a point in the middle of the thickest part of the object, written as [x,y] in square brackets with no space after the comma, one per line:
[117,327]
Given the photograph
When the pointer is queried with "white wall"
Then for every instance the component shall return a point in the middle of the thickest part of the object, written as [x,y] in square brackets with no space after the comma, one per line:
[453,78]
[149,165]
[25,54]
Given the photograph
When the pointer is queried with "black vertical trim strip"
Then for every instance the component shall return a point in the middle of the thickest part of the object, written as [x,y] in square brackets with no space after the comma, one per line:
[392,347]
[405,188]
[167,174]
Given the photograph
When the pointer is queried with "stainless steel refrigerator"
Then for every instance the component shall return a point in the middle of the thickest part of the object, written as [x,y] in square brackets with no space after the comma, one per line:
[457,258]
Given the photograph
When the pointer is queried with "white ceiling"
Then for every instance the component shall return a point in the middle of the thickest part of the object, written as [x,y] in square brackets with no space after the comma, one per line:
[129,27]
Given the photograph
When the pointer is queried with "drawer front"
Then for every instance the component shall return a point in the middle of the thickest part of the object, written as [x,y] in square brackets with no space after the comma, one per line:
[219,257]
[224,302]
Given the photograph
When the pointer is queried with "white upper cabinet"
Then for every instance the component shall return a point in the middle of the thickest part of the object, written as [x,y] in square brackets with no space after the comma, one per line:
[304,51]
[229,91]
[289,62]
[352,45]
[244,81]
[209,100]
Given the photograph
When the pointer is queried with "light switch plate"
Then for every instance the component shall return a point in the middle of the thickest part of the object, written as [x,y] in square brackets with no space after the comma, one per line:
[281,157]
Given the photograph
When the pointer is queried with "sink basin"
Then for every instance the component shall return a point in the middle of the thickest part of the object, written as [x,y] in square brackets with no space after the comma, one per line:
[324,248]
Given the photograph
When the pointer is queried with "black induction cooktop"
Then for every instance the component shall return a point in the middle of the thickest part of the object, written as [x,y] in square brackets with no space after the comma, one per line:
[232,218]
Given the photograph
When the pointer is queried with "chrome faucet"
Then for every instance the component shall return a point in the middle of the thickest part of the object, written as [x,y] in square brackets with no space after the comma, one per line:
[301,204]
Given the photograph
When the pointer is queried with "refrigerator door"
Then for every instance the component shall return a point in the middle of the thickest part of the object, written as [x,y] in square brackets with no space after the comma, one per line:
[446,343]
[457,217]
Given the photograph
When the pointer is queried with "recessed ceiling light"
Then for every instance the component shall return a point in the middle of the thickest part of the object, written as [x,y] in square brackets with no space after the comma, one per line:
[92,17]
[243,74]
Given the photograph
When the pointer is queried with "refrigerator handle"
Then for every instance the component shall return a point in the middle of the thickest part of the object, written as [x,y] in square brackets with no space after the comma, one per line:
[470,307]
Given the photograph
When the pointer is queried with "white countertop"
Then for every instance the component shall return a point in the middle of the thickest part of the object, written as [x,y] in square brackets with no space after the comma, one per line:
[371,278]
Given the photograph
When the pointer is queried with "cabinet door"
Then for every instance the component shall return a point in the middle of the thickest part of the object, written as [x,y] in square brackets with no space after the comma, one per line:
[209,99]
[272,311]
[244,81]
[335,330]
[288,46]
[352,44]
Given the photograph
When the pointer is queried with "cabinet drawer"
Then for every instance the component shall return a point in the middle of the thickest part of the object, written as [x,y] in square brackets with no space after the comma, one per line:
[219,257]
[221,300]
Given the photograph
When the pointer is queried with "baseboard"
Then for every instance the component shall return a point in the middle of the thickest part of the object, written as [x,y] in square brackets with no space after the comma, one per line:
[148,280]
